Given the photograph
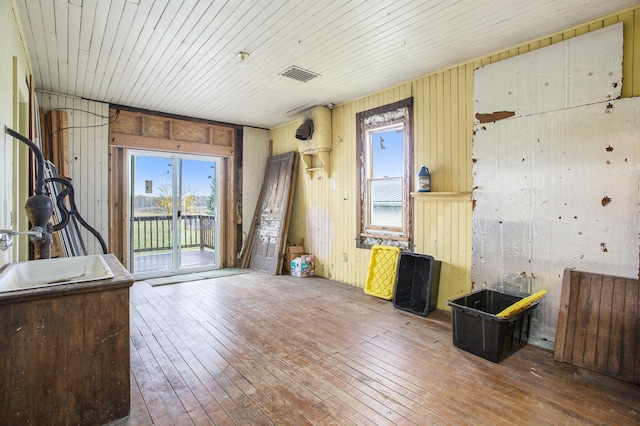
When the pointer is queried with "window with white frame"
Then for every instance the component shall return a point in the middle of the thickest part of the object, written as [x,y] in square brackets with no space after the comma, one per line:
[385,150]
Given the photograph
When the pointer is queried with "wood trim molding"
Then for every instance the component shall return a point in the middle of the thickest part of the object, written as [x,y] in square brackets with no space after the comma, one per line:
[158,144]
[442,196]
[137,130]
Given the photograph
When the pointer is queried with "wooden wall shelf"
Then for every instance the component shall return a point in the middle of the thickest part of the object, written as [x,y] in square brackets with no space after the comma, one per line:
[321,162]
[441,196]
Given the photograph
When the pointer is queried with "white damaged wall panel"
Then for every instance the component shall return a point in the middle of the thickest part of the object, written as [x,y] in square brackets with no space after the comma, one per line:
[578,71]
[556,190]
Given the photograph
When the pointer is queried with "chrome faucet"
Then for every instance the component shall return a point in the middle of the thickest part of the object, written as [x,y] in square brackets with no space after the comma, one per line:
[6,236]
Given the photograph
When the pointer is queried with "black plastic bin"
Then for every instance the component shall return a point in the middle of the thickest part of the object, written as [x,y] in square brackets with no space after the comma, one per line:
[478,330]
[417,282]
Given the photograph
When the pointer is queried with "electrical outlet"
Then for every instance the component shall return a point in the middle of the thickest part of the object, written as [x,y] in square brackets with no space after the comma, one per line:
[344,257]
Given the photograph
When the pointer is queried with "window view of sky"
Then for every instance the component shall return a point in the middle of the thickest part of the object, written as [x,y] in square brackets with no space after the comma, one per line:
[387,153]
[196,175]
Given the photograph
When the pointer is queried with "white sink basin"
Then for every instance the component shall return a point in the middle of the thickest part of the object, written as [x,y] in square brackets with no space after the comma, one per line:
[49,272]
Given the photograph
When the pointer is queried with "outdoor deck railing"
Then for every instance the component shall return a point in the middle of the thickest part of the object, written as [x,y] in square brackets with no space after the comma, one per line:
[155,233]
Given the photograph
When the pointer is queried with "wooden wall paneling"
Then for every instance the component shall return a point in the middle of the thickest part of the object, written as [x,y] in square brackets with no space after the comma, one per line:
[635,52]
[91,190]
[627,65]
[455,157]
[466,121]
[431,148]
[101,134]
[445,161]
[254,158]
[88,160]
[344,257]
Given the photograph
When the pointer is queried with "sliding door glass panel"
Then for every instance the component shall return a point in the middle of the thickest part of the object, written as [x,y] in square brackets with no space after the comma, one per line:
[152,229]
[173,227]
[197,214]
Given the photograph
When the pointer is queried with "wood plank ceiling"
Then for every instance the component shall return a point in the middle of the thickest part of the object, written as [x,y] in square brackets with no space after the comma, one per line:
[180,57]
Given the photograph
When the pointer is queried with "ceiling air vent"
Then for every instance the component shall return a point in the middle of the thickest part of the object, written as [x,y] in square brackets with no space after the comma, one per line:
[299,74]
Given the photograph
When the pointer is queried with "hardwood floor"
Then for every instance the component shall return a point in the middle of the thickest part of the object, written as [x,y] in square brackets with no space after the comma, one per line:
[257,349]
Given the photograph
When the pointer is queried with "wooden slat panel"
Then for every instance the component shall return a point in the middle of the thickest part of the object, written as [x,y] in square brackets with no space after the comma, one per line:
[581,315]
[617,326]
[606,308]
[597,325]
[574,293]
[593,325]
[630,345]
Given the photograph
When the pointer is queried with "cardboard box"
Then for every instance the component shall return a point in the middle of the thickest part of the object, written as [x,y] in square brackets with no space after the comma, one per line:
[303,266]
[291,253]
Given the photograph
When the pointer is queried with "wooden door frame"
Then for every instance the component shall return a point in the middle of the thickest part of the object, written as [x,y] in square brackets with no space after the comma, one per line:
[136,129]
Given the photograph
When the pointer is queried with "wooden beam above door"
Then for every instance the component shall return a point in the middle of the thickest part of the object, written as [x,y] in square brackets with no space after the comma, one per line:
[143,131]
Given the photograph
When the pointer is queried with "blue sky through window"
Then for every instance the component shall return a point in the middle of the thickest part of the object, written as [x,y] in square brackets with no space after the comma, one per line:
[196,174]
[387,153]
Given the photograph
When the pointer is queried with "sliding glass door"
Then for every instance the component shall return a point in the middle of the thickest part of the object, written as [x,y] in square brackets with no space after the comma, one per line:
[173,227]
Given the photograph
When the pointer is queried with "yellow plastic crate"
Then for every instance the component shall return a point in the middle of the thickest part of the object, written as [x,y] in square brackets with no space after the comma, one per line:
[383,266]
